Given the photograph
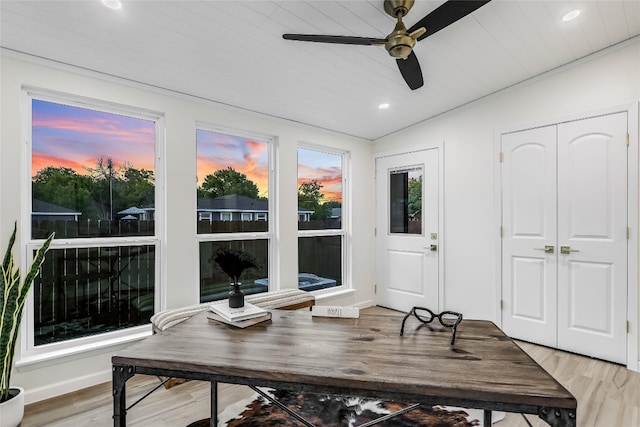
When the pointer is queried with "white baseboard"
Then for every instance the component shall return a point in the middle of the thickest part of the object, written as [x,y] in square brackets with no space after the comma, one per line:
[52,390]
[364,304]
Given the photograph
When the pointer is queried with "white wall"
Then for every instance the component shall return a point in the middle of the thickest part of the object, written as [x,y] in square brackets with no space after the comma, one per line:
[180,253]
[607,79]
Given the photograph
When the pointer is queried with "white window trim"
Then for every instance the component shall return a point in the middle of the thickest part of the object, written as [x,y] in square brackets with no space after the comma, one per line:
[29,353]
[345,231]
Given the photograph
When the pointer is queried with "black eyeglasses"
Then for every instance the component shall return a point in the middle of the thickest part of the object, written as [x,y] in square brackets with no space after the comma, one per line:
[449,319]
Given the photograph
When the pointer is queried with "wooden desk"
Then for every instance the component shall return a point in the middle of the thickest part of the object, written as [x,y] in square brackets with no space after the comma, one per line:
[485,369]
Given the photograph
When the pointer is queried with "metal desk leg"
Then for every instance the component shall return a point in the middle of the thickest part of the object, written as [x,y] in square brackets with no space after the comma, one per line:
[120,376]
[487,418]
[556,417]
[214,404]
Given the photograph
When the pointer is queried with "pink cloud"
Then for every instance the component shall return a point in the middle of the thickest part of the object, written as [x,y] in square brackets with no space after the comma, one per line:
[98,126]
[39,162]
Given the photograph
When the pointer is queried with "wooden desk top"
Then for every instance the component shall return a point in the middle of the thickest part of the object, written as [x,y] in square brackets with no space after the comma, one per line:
[366,356]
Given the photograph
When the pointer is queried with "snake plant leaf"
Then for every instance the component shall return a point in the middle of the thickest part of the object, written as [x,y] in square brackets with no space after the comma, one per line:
[13,296]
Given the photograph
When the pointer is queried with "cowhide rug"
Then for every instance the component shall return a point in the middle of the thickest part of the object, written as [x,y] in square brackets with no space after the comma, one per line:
[339,411]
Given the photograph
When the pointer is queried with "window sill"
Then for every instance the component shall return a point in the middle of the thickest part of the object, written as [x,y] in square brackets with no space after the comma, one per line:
[331,293]
[44,356]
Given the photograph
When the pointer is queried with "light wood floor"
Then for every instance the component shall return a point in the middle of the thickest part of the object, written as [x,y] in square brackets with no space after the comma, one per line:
[608,396]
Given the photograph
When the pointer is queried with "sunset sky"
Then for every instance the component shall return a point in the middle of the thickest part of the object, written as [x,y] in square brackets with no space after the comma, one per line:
[219,151]
[326,168]
[74,137]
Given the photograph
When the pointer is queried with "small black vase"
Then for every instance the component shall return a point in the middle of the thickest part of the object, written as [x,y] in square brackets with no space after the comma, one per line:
[236,296]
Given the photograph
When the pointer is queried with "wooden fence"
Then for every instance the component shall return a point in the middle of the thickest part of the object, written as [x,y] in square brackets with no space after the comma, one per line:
[83,291]
[64,229]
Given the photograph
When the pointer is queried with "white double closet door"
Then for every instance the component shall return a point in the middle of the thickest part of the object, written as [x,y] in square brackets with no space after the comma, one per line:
[565,236]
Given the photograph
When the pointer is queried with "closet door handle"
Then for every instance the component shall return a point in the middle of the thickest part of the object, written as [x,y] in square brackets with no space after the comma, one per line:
[566,250]
[548,249]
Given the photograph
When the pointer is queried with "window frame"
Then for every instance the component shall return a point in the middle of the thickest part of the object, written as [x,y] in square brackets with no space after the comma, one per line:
[29,352]
[345,224]
[272,147]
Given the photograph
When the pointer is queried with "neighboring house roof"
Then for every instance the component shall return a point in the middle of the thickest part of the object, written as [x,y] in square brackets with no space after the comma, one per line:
[233,202]
[132,211]
[39,207]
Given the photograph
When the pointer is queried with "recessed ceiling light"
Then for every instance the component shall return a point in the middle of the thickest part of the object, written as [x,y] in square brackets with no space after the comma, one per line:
[383,106]
[571,15]
[112,4]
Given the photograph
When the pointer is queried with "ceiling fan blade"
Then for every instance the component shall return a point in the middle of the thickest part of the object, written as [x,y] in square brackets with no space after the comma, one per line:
[410,70]
[447,14]
[363,41]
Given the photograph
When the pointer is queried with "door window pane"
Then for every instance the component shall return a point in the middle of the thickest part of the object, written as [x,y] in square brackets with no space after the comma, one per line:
[405,201]
[215,284]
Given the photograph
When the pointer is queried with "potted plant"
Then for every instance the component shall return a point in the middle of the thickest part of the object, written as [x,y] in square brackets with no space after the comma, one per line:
[13,295]
[233,263]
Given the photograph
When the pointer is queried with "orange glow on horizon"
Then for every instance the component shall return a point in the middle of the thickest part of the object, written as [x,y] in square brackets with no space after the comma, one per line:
[39,162]
[331,187]
[254,173]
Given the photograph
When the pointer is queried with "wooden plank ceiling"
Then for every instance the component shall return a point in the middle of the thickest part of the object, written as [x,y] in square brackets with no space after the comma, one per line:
[232,52]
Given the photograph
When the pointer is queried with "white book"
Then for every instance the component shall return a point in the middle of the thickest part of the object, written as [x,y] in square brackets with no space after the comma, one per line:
[240,323]
[335,311]
[245,312]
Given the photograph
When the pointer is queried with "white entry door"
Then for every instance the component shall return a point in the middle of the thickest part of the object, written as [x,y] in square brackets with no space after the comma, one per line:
[407,230]
[564,259]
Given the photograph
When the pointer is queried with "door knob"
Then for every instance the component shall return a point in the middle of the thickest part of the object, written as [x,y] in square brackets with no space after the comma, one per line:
[433,248]
[566,250]
[548,249]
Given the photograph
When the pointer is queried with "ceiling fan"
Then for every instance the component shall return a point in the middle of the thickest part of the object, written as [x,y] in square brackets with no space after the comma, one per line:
[399,43]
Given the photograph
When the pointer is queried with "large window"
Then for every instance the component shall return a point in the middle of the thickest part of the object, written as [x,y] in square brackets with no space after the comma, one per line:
[233,207]
[93,183]
[321,224]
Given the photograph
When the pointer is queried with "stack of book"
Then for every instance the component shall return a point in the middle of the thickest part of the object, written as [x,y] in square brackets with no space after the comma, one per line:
[240,317]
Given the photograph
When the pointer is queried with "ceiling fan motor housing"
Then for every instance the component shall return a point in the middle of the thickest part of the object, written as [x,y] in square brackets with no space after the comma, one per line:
[400,45]
[395,7]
